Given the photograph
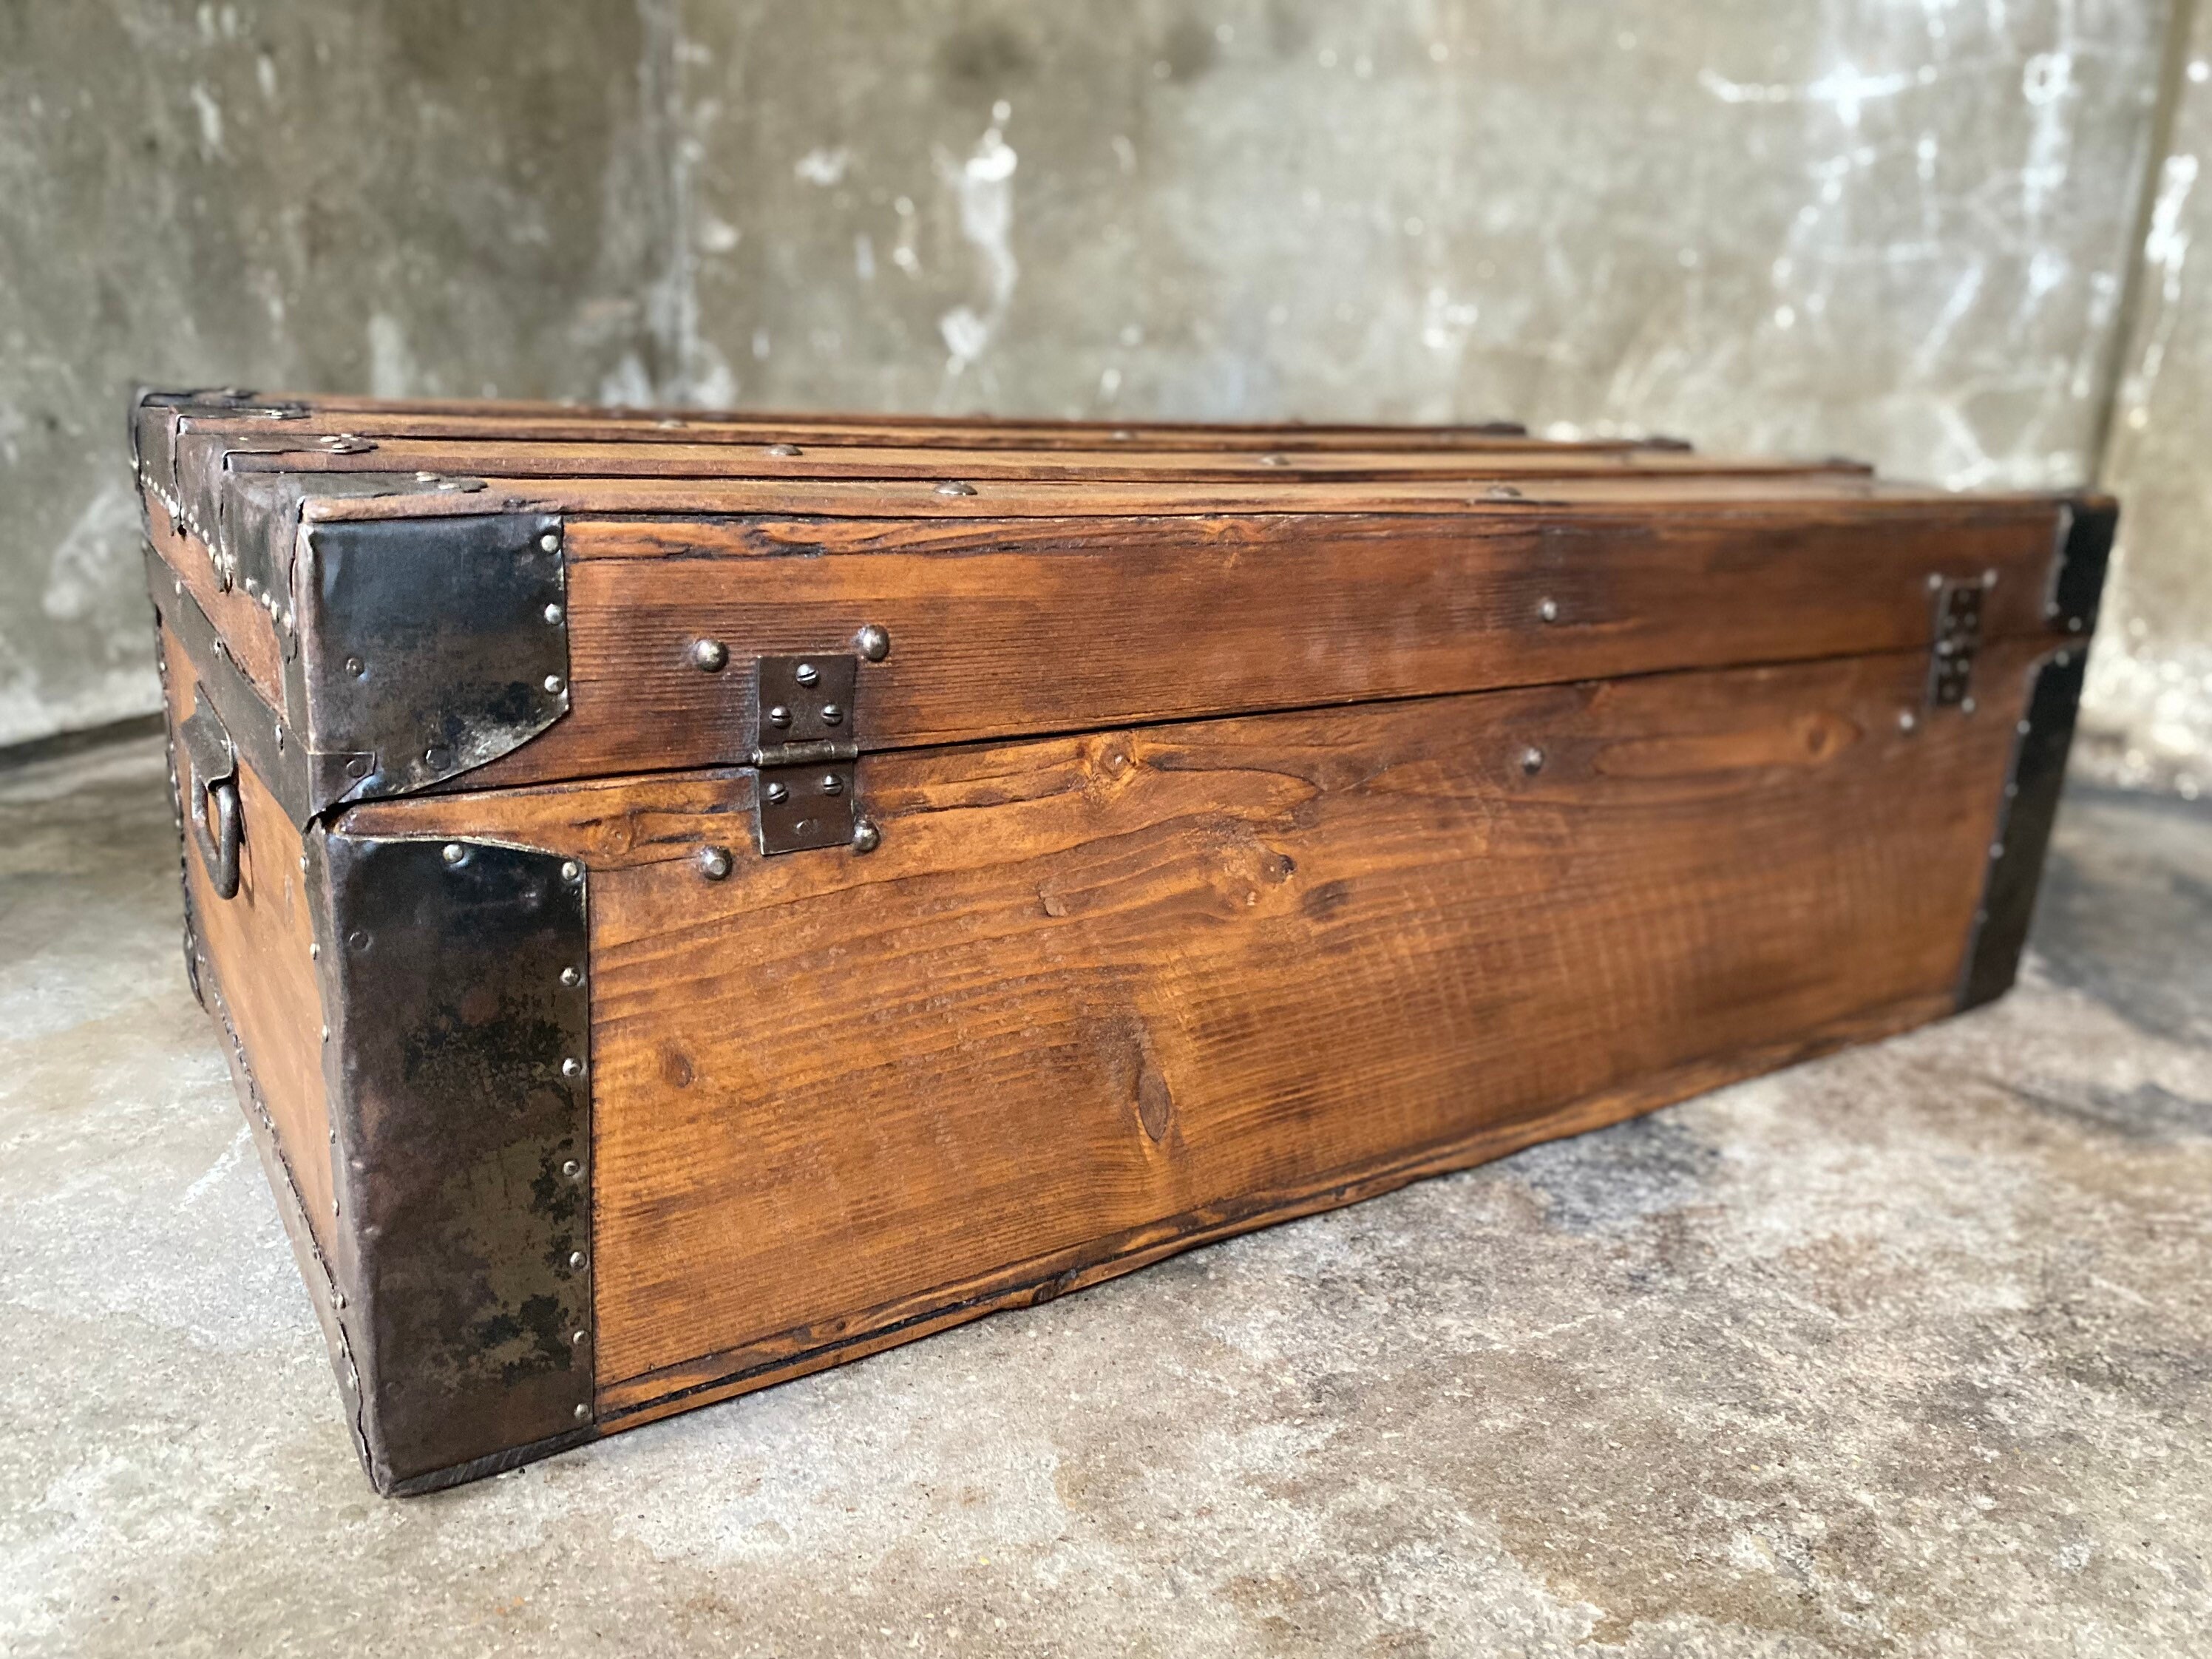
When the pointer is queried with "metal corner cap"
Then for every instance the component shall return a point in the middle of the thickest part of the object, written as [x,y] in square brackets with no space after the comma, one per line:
[460,1077]
[427,646]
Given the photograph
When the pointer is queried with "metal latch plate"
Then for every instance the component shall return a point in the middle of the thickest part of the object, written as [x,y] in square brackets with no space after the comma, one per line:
[806,753]
[1958,639]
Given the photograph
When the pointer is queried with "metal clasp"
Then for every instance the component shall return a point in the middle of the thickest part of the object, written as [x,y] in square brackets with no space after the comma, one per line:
[211,794]
[1958,641]
[808,786]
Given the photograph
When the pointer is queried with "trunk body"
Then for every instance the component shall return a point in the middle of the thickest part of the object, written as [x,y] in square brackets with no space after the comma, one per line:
[694,900]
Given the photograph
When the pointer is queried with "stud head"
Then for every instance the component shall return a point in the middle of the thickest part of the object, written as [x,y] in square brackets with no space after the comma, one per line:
[874,643]
[709,656]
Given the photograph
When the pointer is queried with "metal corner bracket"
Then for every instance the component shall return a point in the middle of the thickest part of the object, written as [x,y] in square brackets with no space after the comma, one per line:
[455,978]
[2042,739]
[426,646]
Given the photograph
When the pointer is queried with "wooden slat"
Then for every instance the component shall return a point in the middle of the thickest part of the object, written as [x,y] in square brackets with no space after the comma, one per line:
[1029,626]
[1094,998]
[540,458]
[1030,499]
[465,417]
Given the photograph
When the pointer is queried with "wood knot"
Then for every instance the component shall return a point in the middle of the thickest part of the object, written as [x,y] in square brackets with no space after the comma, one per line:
[1155,1105]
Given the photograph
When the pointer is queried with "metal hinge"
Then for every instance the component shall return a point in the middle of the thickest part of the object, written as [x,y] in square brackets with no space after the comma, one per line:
[1958,641]
[806,753]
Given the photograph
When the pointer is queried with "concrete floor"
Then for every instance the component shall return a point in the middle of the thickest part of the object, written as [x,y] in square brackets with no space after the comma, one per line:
[1909,1351]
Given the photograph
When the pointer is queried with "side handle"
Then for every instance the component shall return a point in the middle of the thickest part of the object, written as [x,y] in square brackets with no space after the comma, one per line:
[211,794]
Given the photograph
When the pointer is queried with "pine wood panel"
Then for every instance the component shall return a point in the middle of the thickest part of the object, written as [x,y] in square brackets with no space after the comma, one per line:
[1098,997]
[543,457]
[1023,627]
[902,499]
[245,630]
[260,944]
[377,417]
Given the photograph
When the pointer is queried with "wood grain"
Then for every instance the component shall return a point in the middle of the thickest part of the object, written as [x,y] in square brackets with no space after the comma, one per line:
[247,630]
[1021,627]
[916,499]
[1096,996]
[375,418]
[541,458]
[260,945]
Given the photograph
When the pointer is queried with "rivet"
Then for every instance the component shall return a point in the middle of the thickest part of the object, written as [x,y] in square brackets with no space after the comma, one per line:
[874,644]
[1122,434]
[577,1338]
[832,784]
[2011,789]
[783,449]
[2063,658]
[356,667]
[1275,460]
[2022,727]
[571,977]
[437,757]
[334,1207]
[779,715]
[337,1299]
[776,794]
[553,614]
[806,673]
[550,541]
[583,1413]
[1907,720]
[1548,610]
[314,953]
[572,1067]
[554,683]
[358,767]
[867,838]
[954,487]
[1981,916]
[710,655]
[327,1034]
[455,853]
[1997,850]
[1934,582]
[1967,705]
[831,714]
[2073,624]
[572,1169]
[358,939]
[714,861]
[1532,760]
[572,872]
[576,1259]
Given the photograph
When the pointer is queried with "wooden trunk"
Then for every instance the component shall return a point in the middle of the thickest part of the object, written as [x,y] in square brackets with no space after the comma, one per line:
[694,900]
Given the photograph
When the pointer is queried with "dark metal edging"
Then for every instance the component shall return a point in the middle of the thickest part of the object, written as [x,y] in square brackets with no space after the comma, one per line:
[2023,833]
[2036,777]
[425,647]
[454,974]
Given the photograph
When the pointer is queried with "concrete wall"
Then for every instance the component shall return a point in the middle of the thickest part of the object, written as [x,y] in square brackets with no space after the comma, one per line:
[1908,233]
